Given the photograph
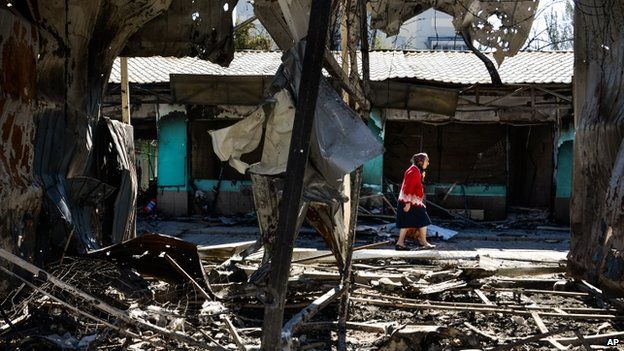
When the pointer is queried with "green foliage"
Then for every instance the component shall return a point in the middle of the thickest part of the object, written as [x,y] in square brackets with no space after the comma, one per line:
[250,37]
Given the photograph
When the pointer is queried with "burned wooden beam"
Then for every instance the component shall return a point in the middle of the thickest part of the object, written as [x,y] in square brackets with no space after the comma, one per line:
[488,309]
[234,333]
[293,187]
[530,339]
[543,329]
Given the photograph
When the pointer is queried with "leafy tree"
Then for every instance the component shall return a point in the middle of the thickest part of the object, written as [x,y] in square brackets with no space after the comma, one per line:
[250,37]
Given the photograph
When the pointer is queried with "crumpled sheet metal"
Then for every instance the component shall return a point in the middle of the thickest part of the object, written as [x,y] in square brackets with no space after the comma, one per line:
[329,223]
[232,142]
[277,136]
[501,25]
[121,137]
[341,141]
[146,254]
[58,157]
[188,28]
[70,197]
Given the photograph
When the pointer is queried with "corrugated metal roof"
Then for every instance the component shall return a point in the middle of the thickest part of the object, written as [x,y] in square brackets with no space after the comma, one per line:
[437,66]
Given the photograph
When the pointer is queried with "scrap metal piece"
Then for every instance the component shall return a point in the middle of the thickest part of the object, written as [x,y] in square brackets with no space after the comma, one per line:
[116,165]
[232,142]
[147,254]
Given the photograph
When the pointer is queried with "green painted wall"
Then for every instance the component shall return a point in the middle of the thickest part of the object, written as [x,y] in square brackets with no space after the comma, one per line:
[372,174]
[172,149]
[564,169]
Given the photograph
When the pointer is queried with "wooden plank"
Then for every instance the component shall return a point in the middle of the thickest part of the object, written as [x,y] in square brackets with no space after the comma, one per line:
[309,311]
[223,250]
[364,47]
[483,298]
[563,310]
[368,327]
[529,339]
[581,338]
[368,246]
[544,292]
[293,186]
[234,333]
[271,17]
[480,332]
[333,67]
[347,273]
[542,328]
[440,287]
[125,90]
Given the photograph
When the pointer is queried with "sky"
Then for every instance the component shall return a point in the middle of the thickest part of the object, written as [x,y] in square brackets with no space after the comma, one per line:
[543,10]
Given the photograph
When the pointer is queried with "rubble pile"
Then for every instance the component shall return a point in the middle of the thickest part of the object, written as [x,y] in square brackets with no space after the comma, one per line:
[422,300]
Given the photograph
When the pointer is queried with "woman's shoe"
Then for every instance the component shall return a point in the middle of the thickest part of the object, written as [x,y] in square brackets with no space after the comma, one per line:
[402,248]
[427,246]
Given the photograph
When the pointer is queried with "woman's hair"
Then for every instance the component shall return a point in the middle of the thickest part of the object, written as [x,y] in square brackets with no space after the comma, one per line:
[419,159]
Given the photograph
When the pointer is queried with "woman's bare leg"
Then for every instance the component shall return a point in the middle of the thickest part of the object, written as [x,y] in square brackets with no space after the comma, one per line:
[402,234]
[422,236]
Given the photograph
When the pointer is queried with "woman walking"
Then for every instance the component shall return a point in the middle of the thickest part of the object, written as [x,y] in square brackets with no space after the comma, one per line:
[412,213]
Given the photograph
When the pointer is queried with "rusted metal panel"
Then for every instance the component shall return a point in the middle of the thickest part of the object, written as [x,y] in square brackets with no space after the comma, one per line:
[20,197]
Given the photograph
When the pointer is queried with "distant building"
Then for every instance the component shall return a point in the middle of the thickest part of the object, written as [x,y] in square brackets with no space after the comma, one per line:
[492,147]
[431,30]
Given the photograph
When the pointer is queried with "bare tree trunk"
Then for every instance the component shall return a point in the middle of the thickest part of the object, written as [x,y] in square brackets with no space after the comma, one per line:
[597,208]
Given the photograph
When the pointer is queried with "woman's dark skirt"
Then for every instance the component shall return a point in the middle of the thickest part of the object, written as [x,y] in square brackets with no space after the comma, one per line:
[416,217]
